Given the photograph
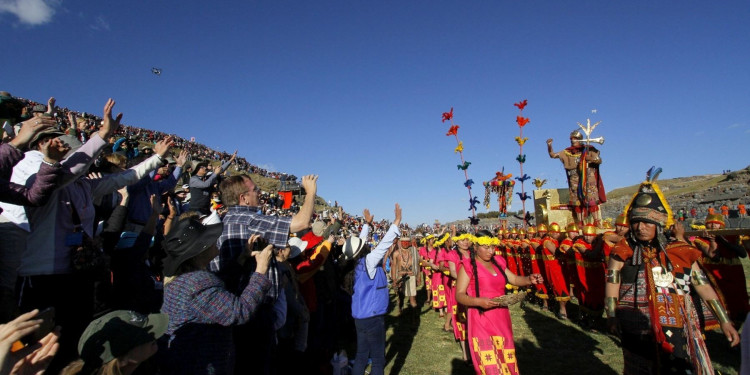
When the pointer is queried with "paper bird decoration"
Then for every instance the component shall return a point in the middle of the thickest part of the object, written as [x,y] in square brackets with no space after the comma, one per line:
[453,130]
[521,141]
[523,196]
[521,104]
[464,166]
[538,182]
[523,178]
[447,116]
[522,121]
[460,147]
[473,202]
[521,158]
[473,220]
[469,182]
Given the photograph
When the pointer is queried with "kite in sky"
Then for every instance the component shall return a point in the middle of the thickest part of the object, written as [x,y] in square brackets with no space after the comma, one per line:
[156,71]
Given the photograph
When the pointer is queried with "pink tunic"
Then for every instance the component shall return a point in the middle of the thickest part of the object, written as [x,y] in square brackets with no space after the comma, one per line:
[458,311]
[438,289]
[490,336]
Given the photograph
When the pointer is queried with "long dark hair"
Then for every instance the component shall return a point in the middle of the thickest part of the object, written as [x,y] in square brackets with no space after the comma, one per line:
[472,253]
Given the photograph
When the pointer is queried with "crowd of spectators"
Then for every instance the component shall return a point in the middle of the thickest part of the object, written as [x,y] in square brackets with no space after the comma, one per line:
[148,263]
[86,122]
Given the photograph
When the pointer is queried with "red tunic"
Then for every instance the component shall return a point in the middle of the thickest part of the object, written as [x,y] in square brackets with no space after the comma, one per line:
[726,273]
[589,287]
[537,266]
[554,272]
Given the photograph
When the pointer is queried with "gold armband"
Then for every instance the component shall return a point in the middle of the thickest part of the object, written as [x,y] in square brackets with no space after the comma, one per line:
[699,278]
[610,305]
[718,310]
[613,276]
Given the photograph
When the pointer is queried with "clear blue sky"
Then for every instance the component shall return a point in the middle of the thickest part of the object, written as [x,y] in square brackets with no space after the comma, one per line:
[353,90]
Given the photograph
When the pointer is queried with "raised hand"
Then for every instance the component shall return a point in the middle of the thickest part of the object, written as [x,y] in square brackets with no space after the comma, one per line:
[162,147]
[182,158]
[30,128]
[310,184]
[397,212]
[368,216]
[109,124]
[51,106]
[53,150]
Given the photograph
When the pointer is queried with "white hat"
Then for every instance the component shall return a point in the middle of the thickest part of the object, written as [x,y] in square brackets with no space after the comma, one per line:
[296,245]
[352,247]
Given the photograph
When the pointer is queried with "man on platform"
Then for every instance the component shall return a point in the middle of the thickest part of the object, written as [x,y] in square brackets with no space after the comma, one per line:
[584,181]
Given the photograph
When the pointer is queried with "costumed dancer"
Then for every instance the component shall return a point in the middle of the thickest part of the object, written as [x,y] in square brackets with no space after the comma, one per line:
[610,239]
[721,260]
[648,292]
[553,270]
[438,289]
[590,268]
[566,257]
[481,277]
[424,263]
[510,249]
[584,181]
[537,262]
[462,251]
[446,281]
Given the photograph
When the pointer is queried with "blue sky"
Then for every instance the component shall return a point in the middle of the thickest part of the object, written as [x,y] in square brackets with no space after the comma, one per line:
[354,90]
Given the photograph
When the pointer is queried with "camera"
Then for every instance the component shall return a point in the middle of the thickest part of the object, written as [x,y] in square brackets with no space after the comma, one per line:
[260,244]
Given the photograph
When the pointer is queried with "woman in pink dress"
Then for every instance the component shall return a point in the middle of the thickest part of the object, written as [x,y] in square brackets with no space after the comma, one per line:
[458,311]
[482,277]
[439,302]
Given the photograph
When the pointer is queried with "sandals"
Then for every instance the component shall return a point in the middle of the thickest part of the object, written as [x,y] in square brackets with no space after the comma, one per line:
[562,316]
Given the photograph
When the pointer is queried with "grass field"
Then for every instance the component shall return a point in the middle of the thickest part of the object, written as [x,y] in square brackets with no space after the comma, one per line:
[416,345]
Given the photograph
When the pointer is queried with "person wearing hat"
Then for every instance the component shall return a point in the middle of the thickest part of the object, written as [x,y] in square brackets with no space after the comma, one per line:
[50,272]
[721,260]
[587,201]
[481,277]
[368,285]
[201,310]
[200,184]
[117,343]
[553,269]
[647,297]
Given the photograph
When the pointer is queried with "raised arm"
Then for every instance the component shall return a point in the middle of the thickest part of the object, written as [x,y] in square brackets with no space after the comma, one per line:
[376,256]
[301,220]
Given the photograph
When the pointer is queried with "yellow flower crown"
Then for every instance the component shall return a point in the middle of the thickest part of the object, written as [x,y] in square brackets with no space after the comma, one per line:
[427,238]
[441,241]
[465,236]
[485,241]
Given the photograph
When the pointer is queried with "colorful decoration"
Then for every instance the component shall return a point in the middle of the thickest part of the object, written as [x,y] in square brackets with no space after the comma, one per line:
[502,185]
[538,182]
[521,140]
[448,116]
[453,130]
[522,121]
[459,148]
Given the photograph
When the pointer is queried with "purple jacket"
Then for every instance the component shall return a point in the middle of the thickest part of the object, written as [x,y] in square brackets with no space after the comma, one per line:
[40,190]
